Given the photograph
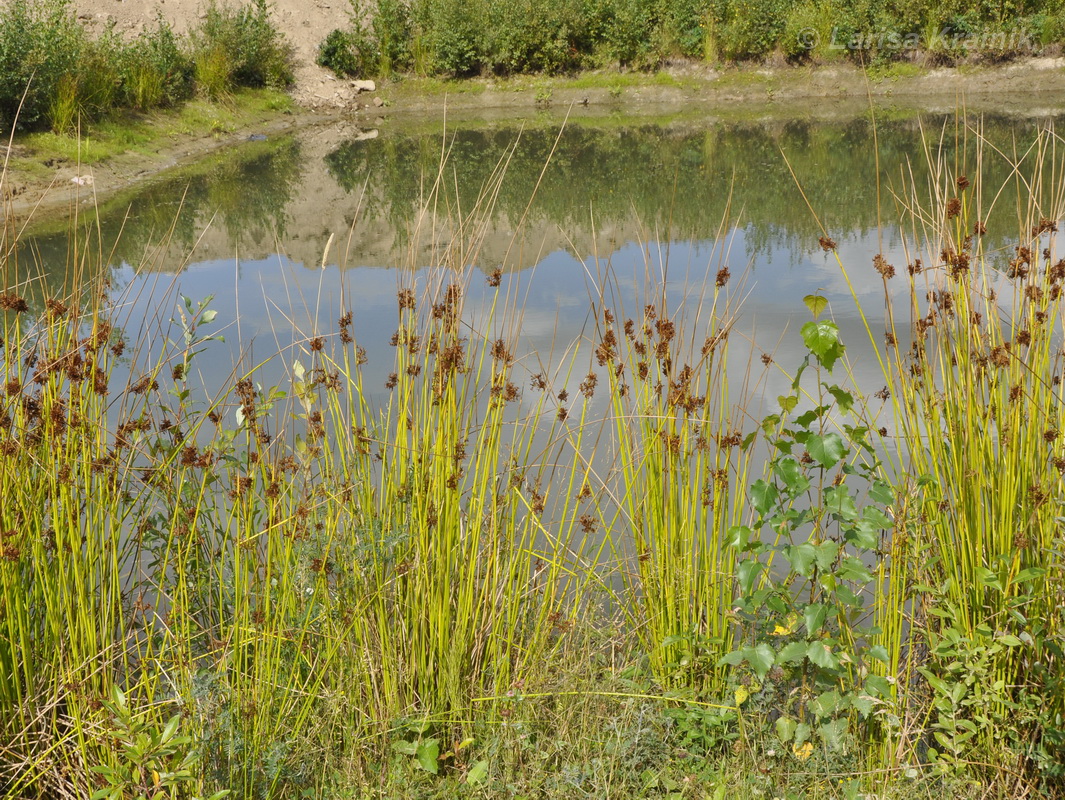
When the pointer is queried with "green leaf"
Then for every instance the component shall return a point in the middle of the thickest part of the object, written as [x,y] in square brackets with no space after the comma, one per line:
[733,659]
[788,402]
[878,685]
[863,704]
[838,501]
[791,653]
[802,732]
[822,339]
[478,773]
[864,534]
[826,554]
[882,493]
[761,658]
[814,615]
[428,755]
[826,450]
[822,656]
[816,303]
[405,747]
[852,569]
[763,496]
[844,399]
[801,557]
[786,729]
[834,733]
[790,472]
[747,573]
[827,704]
[740,536]
[880,653]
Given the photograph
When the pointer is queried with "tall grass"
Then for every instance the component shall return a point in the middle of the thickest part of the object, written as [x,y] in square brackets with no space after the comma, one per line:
[330,584]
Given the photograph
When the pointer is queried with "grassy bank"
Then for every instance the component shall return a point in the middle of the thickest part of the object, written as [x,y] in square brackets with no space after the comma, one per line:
[607,573]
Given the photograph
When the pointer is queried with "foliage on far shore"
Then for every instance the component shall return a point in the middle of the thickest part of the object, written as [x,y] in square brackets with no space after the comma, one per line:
[54,75]
[501,37]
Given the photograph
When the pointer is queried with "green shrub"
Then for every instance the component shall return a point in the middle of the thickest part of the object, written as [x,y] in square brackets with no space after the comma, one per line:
[159,70]
[748,29]
[535,36]
[392,28]
[629,32]
[456,41]
[349,53]
[40,43]
[246,38]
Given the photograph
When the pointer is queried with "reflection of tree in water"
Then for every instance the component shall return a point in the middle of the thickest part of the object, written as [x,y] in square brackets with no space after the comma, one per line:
[683,180]
[245,192]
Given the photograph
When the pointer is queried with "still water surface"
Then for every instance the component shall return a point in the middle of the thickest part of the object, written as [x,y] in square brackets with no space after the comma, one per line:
[287,234]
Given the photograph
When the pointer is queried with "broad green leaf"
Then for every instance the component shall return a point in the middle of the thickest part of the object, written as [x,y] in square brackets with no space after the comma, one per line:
[864,534]
[801,557]
[815,615]
[763,496]
[405,747]
[761,658]
[826,554]
[785,729]
[822,656]
[477,774]
[844,399]
[822,339]
[852,569]
[826,450]
[834,733]
[827,704]
[878,685]
[733,659]
[790,472]
[429,755]
[882,493]
[739,536]
[802,732]
[816,303]
[880,653]
[863,704]
[747,573]
[838,501]
[788,402]
[791,653]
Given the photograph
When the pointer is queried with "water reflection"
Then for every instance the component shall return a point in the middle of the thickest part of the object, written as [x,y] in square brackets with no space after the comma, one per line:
[641,203]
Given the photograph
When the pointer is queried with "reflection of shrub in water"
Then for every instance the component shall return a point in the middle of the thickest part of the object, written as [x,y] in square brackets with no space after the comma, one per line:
[247,194]
[682,180]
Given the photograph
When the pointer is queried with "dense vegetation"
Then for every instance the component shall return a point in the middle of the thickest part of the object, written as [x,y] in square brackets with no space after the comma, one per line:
[468,37]
[505,577]
[54,75]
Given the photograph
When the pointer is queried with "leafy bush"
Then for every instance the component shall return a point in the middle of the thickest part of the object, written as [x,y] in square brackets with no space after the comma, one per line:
[241,47]
[348,53]
[40,43]
[159,69]
[456,41]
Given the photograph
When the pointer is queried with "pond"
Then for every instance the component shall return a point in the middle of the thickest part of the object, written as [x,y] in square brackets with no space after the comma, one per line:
[285,235]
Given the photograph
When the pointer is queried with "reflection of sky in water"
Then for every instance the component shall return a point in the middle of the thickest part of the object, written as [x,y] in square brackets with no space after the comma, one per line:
[273,304]
[291,197]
